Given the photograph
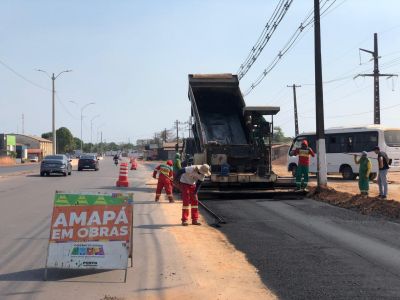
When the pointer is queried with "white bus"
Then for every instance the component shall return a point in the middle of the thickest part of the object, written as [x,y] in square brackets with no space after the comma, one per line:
[343,142]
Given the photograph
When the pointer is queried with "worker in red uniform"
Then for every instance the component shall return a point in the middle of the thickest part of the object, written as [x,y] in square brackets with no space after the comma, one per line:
[164,180]
[190,179]
[304,154]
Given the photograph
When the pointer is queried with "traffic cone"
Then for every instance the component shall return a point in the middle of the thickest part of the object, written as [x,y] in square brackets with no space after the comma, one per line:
[133,164]
[123,175]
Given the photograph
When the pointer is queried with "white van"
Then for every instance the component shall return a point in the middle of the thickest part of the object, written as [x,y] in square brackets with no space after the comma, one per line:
[343,142]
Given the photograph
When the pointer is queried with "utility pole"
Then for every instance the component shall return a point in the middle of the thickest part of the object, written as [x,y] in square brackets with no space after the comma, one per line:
[91,130]
[376,75]
[23,125]
[177,135]
[296,120]
[319,101]
[53,93]
[101,142]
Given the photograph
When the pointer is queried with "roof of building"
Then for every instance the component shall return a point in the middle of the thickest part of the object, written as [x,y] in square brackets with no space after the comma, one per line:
[38,138]
[171,146]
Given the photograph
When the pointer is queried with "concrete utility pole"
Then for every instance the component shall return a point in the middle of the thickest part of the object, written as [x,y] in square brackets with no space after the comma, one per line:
[177,135]
[319,101]
[91,131]
[376,75]
[23,125]
[296,120]
[53,79]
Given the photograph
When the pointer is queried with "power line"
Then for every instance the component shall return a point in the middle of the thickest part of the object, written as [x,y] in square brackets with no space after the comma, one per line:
[269,29]
[22,76]
[288,46]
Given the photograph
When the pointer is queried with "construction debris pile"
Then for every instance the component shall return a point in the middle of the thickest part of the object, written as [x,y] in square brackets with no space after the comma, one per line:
[365,205]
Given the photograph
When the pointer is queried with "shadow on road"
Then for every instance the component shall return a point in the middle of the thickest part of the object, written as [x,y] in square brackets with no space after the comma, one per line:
[156,226]
[54,275]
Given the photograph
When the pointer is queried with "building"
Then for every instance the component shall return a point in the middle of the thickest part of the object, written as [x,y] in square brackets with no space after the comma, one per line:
[36,145]
[7,144]
[168,151]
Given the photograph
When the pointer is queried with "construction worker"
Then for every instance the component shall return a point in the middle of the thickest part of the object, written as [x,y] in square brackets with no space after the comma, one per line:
[363,173]
[303,165]
[164,180]
[190,179]
[177,163]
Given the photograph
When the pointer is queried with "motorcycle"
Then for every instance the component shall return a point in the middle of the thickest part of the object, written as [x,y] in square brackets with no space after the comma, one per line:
[116,162]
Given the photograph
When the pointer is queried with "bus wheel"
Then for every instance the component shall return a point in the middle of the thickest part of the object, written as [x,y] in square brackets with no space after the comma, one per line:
[347,173]
[372,176]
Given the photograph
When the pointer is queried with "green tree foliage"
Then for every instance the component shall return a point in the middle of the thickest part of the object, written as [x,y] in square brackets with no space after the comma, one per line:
[279,136]
[65,139]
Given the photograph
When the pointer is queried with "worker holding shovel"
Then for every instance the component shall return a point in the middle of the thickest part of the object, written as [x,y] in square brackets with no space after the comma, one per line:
[164,180]
[363,173]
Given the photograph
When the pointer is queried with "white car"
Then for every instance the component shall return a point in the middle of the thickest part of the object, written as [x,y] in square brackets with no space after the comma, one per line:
[33,158]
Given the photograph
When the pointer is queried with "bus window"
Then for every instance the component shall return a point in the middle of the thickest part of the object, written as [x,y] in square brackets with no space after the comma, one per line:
[365,141]
[392,138]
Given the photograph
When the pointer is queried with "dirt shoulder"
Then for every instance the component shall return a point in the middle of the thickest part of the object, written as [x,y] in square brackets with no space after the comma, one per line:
[346,194]
[217,269]
[348,186]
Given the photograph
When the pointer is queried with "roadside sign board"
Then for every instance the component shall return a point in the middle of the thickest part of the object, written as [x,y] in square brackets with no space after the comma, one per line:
[90,231]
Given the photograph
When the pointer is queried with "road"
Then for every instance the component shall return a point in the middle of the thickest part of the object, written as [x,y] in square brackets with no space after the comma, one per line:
[302,249]
[24,230]
[305,249]
[18,168]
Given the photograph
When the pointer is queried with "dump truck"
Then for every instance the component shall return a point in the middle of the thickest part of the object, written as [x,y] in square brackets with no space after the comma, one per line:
[234,139]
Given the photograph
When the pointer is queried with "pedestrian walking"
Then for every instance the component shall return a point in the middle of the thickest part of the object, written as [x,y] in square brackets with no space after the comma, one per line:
[304,153]
[190,179]
[363,172]
[383,163]
[164,180]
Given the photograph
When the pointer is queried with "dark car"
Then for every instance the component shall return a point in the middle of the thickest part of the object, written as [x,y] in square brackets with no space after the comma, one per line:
[87,161]
[55,164]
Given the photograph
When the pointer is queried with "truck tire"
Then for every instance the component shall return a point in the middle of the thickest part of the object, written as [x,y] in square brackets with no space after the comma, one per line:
[347,173]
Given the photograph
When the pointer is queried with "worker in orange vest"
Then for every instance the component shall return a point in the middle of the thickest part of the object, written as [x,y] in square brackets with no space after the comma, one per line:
[164,180]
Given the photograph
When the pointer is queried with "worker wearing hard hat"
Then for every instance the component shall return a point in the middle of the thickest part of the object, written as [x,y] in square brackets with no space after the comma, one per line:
[164,180]
[302,170]
[190,179]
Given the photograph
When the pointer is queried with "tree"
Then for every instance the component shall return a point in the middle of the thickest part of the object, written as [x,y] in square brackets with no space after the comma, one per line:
[77,143]
[279,136]
[65,139]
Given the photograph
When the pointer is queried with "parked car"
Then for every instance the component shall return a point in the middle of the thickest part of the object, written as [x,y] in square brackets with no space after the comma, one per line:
[88,161]
[55,164]
[33,158]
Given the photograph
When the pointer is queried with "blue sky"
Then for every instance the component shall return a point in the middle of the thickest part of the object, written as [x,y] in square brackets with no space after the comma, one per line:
[132,58]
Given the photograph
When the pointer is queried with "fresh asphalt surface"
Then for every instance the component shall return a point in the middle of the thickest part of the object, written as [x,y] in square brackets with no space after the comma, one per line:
[305,249]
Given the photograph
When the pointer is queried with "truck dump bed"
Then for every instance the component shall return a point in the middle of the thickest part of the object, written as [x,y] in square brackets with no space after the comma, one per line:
[218,107]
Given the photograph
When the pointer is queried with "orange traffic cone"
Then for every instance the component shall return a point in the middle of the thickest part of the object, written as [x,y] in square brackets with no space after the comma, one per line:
[123,175]
[133,164]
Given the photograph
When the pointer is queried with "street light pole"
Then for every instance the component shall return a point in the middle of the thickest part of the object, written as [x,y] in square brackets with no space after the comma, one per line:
[83,107]
[91,131]
[53,79]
